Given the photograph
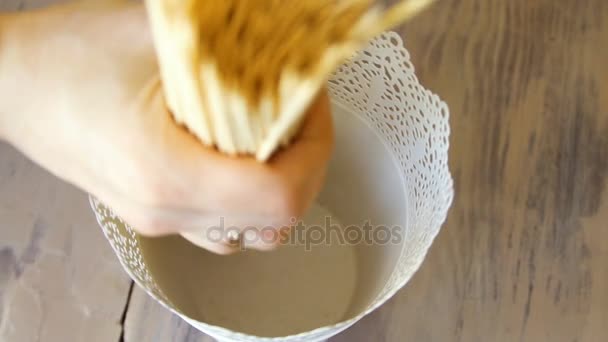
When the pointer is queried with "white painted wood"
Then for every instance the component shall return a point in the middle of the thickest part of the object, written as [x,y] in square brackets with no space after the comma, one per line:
[149,321]
[59,279]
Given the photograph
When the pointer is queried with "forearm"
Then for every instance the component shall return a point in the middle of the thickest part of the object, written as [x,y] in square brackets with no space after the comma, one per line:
[13,90]
[26,45]
[44,53]
[5,21]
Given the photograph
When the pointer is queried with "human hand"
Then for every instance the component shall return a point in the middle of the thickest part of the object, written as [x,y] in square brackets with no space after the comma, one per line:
[81,97]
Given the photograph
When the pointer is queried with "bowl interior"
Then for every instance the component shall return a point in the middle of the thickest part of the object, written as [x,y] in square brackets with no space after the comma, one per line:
[336,267]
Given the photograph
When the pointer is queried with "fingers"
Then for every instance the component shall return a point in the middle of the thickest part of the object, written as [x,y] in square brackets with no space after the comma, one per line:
[180,186]
[318,125]
[197,177]
[199,239]
[305,161]
[273,189]
[212,232]
[234,240]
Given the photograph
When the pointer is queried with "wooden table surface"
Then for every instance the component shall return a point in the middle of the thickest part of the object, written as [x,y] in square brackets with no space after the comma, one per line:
[522,257]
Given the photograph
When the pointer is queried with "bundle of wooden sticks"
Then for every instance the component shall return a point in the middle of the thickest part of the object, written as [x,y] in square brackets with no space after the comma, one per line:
[240,74]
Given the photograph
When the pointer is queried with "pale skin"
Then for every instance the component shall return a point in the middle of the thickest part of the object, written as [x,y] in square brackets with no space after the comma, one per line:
[81,96]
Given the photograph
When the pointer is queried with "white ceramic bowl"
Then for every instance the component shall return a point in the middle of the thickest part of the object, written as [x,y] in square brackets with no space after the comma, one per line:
[387,194]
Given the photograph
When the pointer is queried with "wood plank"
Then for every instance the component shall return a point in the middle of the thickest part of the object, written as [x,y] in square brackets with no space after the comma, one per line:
[59,279]
[147,320]
[523,254]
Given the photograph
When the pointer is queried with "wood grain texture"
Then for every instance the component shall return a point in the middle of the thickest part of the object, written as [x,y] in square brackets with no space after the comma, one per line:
[147,320]
[59,279]
[523,255]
